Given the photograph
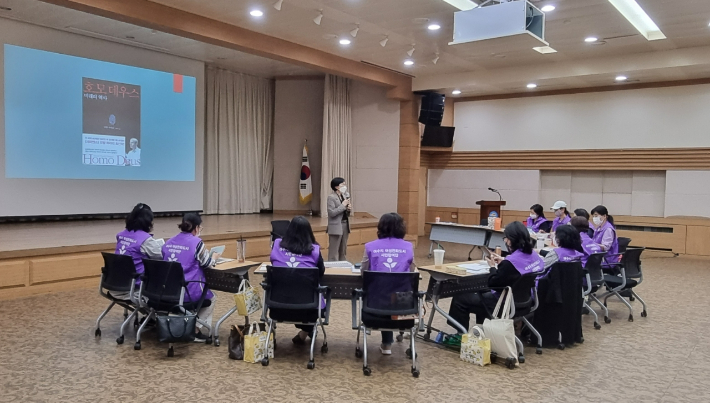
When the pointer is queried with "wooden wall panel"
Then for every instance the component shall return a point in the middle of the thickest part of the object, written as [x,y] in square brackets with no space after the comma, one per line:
[14,273]
[368,235]
[74,266]
[354,238]
[697,240]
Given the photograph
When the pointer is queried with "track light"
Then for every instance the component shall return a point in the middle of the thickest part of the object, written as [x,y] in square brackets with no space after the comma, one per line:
[278,4]
[383,42]
[410,52]
[435,59]
[319,17]
[354,32]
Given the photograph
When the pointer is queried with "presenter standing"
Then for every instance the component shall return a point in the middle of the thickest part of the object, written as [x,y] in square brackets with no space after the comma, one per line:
[338,224]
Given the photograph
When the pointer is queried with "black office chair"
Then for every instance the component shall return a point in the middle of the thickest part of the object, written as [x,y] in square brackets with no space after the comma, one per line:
[292,295]
[118,276]
[278,229]
[623,244]
[163,284]
[384,295]
[595,280]
[630,277]
[546,226]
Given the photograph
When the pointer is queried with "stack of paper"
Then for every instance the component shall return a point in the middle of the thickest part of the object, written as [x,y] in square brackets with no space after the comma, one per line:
[476,268]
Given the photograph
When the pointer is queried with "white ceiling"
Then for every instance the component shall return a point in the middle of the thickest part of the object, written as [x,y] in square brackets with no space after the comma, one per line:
[488,67]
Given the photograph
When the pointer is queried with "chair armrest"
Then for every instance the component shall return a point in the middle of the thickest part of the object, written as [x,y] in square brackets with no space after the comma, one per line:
[264,285]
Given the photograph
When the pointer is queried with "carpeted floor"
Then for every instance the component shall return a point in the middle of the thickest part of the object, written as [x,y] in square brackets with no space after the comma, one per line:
[48,353]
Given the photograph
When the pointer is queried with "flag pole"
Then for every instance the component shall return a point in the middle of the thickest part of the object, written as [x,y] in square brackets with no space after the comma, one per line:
[310,203]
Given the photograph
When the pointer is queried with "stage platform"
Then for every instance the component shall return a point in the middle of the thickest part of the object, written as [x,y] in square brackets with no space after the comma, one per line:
[37,258]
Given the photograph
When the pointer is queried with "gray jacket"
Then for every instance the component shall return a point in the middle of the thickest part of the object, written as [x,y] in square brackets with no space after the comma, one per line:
[336,210]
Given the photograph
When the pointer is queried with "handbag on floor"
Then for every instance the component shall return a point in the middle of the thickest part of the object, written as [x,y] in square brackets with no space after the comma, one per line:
[255,344]
[247,299]
[236,343]
[176,328]
[476,349]
[501,331]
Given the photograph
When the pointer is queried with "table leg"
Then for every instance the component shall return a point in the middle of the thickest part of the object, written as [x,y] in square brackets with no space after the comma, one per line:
[427,335]
[456,324]
[431,248]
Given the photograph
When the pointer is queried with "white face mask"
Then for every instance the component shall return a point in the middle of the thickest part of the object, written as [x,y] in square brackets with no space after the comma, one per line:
[343,189]
[597,221]
[533,216]
[558,213]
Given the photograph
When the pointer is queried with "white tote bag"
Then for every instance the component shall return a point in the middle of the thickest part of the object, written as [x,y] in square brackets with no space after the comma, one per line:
[502,331]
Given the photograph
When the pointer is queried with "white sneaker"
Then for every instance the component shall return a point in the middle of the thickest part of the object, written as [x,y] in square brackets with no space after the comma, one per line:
[386,349]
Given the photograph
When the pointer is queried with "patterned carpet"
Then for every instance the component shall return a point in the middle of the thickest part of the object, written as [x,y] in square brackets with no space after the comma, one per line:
[49,354]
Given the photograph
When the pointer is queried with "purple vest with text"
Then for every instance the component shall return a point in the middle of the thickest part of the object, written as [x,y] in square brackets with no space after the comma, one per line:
[599,235]
[525,264]
[565,255]
[129,243]
[589,246]
[535,225]
[564,220]
[182,249]
[284,258]
[389,254]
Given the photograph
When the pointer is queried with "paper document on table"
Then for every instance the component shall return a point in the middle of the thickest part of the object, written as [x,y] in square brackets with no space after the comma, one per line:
[344,264]
[224,260]
[476,267]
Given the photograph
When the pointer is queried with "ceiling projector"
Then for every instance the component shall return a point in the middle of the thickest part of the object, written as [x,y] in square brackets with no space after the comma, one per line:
[498,19]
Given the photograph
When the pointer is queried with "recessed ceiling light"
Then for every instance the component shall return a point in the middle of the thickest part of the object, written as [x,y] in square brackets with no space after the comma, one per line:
[532,85]
[256,13]
[345,41]
[548,8]
[408,62]
[621,78]
[631,10]
[434,27]
[455,92]
[591,39]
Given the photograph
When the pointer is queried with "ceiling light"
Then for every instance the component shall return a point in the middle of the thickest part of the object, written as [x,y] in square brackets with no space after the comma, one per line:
[544,50]
[434,27]
[591,39]
[410,52]
[631,10]
[345,41]
[408,62]
[455,92]
[435,59]
[318,18]
[621,78]
[354,32]
[256,13]
[278,4]
[462,5]
[532,85]
[383,42]
[548,8]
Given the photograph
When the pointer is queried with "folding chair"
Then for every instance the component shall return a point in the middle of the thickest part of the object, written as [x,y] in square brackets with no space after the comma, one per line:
[278,229]
[630,277]
[383,296]
[595,280]
[293,295]
[118,276]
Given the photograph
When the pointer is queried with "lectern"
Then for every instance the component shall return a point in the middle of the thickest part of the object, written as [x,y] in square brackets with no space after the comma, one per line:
[488,206]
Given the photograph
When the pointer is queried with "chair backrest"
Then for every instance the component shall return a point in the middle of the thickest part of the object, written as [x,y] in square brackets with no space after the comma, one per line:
[594,267]
[590,233]
[523,291]
[386,293]
[546,226]
[291,287]
[162,282]
[118,272]
[631,262]
[278,228]
[623,243]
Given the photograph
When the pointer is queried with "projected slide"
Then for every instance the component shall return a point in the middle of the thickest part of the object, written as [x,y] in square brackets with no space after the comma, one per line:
[75,118]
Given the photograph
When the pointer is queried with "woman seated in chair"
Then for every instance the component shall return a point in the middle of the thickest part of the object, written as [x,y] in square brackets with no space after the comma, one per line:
[188,249]
[390,253]
[136,241]
[505,272]
[581,224]
[298,248]
[536,219]
[569,247]
[605,233]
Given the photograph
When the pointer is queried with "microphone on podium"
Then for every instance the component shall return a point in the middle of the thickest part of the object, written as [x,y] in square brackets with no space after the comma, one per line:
[496,191]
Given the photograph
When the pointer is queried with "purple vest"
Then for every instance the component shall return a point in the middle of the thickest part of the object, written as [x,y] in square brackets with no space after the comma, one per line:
[182,249]
[589,246]
[565,255]
[599,235]
[564,220]
[535,226]
[525,263]
[129,243]
[283,258]
[389,254]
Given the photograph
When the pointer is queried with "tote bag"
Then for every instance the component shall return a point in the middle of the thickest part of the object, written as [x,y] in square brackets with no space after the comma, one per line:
[247,299]
[255,345]
[476,349]
[501,330]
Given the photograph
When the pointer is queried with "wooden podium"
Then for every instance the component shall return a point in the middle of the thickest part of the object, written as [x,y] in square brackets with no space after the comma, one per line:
[487,206]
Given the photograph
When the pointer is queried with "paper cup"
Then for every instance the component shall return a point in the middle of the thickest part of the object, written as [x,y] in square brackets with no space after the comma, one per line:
[438,257]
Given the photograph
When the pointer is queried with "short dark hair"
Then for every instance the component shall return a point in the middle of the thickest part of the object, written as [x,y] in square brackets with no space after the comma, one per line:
[190,221]
[140,218]
[580,212]
[519,237]
[580,223]
[601,210]
[299,238]
[391,225]
[538,210]
[336,182]
[568,237]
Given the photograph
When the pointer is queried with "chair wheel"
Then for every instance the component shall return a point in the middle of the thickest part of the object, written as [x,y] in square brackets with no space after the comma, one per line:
[538,350]
[510,363]
[644,314]
[427,336]
[494,357]
[632,299]
[311,365]
[607,320]
[561,346]
[97,333]
[171,352]
[415,372]
[137,346]
[216,341]
[324,349]
[631,318]
[119,340]
[358,353]
[521,359]
[597,325]
[400,337]
[264,362]
[366,371]
[209,340]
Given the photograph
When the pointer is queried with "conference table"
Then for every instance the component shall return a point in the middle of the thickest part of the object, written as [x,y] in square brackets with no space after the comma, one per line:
[341,280]
[477,236]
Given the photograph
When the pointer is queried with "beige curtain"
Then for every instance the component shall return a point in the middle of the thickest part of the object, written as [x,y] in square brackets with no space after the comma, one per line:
[337,135]
[239,162]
